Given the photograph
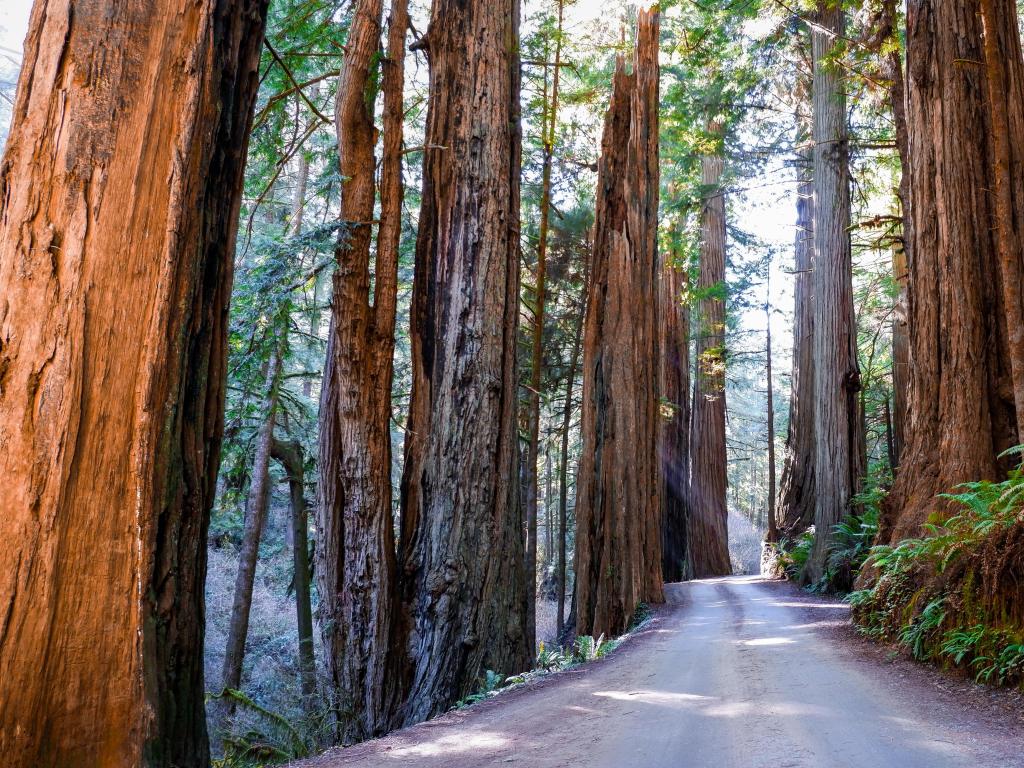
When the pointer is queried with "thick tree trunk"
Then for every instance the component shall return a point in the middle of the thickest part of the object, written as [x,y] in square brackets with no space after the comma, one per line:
[674,438]
[837,423]
[357,568]
[796,493]
[618,507]
[255,518]
[962,412]
[464,595]
[290,456]
[707,536]
[115,270]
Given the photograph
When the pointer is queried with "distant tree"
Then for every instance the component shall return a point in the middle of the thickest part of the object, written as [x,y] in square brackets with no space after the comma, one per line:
[707,536]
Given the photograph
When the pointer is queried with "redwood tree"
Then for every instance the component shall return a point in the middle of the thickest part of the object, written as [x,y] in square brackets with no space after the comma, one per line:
[796,493]
[357,569]
[707,537]
[618,508]
[462,554]
[121,182]
[837,423]
[961,412]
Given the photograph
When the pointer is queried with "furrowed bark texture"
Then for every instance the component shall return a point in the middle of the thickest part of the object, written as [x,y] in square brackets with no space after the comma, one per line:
[464,594]
[837,423]
[618,504]
[796,495]
[120,192]
[674,438]
[707,536]
[961,408]
[357,567]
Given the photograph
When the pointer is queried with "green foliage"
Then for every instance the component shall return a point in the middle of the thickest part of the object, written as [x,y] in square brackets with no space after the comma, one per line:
[794,554]
[273,740]
[918,633]
[642,613]
[924,595]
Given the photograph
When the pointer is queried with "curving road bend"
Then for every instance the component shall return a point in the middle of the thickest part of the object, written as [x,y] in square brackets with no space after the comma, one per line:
[735,673]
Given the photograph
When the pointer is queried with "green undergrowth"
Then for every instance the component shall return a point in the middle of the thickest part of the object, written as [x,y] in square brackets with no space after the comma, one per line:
[851,546]
[267,737]
[550,659]
[955,596]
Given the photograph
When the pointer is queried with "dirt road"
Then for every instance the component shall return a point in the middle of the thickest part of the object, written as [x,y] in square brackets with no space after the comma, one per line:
[735,673]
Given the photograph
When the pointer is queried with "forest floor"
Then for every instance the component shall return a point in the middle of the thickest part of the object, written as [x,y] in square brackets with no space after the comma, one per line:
[732,673]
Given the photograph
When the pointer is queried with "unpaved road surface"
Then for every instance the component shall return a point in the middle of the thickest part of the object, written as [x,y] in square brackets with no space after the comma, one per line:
[734,673]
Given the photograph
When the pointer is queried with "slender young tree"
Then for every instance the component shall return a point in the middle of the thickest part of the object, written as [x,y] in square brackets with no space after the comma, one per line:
[462,548]
[675,425]
[772,534]
[549,129]
[357,567]
[290,456]
[618,506]
[837,422]
[255,518]
[707,536]
[116,245]
[563,469]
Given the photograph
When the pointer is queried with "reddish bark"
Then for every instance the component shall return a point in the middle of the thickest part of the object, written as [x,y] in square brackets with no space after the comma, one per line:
[707,536]
[618,506]
[357,567]
[961,412]
[120,186]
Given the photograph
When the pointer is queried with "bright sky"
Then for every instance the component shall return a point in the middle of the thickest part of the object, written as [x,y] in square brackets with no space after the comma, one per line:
[13,24]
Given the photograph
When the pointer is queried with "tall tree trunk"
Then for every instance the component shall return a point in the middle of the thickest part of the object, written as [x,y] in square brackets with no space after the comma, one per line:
[675,426]
[707,536]
[549,517]
[1003,74]
[115,269]
[255,518]
[357,567]
[550,124]
[837,423]
[563,471]
[289,454]
[618,506]
[464,598]
[901,247]
[772,534]
[962,411]
[796,494]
